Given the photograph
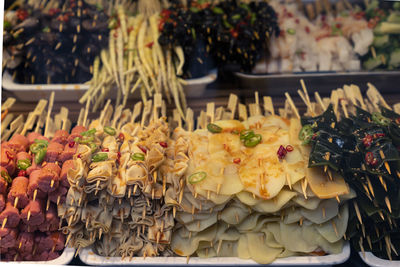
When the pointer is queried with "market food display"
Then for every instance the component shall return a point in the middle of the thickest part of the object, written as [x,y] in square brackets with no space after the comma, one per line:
[33,183]
[53,42]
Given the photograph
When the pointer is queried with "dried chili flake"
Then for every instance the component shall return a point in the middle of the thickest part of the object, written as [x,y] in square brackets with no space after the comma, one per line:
[144,150]
[105,150]
[71,144]
[163,144]
[22,173]
[236,160]
[281,152]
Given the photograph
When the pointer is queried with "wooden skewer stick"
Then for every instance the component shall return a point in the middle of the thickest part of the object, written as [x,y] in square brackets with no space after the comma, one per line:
[387,201]
[15,202]
[357,212]
[29,216]
[292,105]
[385,163]
[4,223]
[50,108]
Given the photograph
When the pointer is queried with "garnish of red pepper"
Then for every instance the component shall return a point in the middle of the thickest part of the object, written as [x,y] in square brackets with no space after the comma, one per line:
[314,136]
[22,14]
[367,140]
[374,162]
[79,156]
[53,11]
[236,160]
[307,29]
[121,137]
[144,150]
[369,157]
[118,157]
[163,144]
[71,144]
[289,148]
[150,45]
[105,150]
[380,135]
[281,152]
[22,173]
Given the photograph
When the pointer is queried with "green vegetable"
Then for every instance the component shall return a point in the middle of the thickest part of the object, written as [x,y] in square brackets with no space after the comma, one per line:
[109,130]
[7,24]
[245,6]
[214,128]
[236,17]
[387,28]
[86,140]
[291,31]
[253,18]
[372,63]
[394,17]
[395,58]
[6,176]
[46,29]
[137,156]
[306,133]
[380,40]
[226,24]
[193,33]
[378,118]
[197,177]
[99,157]
[39,156]
[89,132]
[23,164]
[40,141]
[93,147]
[194,9]
[218,10]
[253,141]
[36,147]
[246,134]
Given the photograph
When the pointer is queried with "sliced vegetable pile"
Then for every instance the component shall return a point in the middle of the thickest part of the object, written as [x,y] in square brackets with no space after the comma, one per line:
[364,149]
[56,43]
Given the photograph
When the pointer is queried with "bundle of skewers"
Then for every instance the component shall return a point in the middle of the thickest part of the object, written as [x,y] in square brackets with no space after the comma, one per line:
[247,192]
[33,182]
[53,41]
[359,138]
[135,60]
[117,184]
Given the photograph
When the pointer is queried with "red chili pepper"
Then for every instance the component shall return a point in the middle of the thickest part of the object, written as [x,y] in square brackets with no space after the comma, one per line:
[22,14]
[369,157]
[314,136]
[338,25]
[164,144]
[165,13]
[398,120]
[297,21]
[374,162]
[281,152]
[289,14]
[379,135]
[236,160]
[307,29]
[71,144]
[234,33]
[53,11]
[150,45]
[79,156]
[130,29]
[22,173]
[367,140]
[105,150]
[144,150]
[118,157]
[121,137]
[289,148]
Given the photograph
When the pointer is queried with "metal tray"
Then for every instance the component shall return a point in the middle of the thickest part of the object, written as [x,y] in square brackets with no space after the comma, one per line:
[73,92]
[87,256]
[64,259]
[323,82]
[372,260]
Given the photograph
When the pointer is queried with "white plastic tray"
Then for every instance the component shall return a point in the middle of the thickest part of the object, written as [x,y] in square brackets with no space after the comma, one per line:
[73,92]
[64,259]
[89,257]
[372,260]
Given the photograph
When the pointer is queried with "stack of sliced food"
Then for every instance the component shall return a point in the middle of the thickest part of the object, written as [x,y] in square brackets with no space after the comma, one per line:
[247,193]
[117,182]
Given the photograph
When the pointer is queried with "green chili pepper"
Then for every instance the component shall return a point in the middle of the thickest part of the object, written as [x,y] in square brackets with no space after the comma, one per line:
[41,141]
[246,134]
[39,156]
[214,128]
[109,130]
[99,157]
[197,177]
[253,140]
[253,18]
[306,134]
[6,176]
[23,164]
[86,140]
[291,31]
[89,132]
[93,147]
[36,147]
[218,10]
[236,17]
[137,156]
[378,118]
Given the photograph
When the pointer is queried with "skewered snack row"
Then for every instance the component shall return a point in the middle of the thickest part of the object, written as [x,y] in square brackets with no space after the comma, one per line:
[33,182]
[135,60]
[53,41]
[243,190]
[361,142]
[115,202]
